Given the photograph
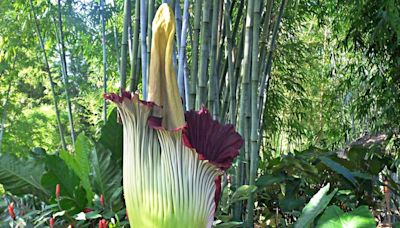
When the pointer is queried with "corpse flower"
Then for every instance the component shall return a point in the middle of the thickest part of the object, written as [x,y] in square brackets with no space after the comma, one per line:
[172,161]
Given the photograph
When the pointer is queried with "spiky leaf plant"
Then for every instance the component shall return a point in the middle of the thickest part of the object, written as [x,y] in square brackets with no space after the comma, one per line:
[172,161]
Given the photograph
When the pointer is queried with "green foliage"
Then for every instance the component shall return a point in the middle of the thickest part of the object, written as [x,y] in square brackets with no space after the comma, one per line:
[243,192]
[73,196]
[80,164]
[22,176]
[339,169]
[316,205]
[111,136]
[105,174]
[334,217]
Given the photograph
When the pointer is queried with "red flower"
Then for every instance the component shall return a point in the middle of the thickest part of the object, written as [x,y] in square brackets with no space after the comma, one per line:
[58,191]
[11,211]
[51,222]
[103,223]
[102,200]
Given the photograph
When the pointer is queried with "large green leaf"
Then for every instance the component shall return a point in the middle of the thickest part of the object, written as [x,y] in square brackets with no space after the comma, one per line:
[22,176]
[106,174]
[334,217]
[313,208]
[73,197]
[336,167]
[111,136]
[79,163]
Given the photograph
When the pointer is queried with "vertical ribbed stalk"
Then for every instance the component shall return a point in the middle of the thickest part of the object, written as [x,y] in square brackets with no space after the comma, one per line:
[116,45]
[266,77]
[65,75]
[103,35]
[150,17]
[124,44]
[135,44]
[4,114]
[229,51]
[143,30]
[245,87]
[254,107]
[182,51]
[239,170]
[213,80]
[265,33]
[203,65]
[55,101]
[195,48]
[186,73]
[178,22]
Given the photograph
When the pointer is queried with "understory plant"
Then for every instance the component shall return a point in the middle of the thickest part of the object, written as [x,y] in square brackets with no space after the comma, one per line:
[172,161]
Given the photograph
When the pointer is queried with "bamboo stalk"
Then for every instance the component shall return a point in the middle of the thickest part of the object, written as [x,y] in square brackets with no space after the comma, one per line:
[150,17]
[65,74]
[124,44]
[201,96]
[103,35]
[240,174]
[195,48]
[266,77]
[254,154]
[182,52]
[135,44]
[178,22]
[130,45]
[225,68]
[115,33]
[229,51]
[265,33]
[245,87]
[186,82]
[143,29]
[213,80]
[55,101]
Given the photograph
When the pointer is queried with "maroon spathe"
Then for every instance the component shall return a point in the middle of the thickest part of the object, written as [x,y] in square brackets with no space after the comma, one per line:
[213,141]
